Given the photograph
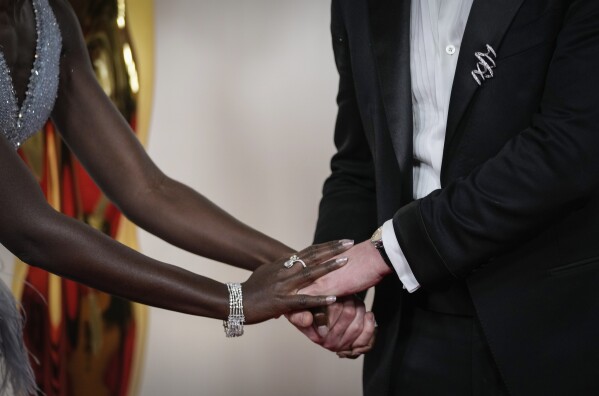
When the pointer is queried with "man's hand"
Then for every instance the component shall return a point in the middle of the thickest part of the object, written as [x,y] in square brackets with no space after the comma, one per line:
[350,330]
[364,269]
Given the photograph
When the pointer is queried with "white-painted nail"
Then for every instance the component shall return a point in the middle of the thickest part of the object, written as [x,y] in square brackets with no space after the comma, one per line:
[341,261]
[347,242]
[323,331]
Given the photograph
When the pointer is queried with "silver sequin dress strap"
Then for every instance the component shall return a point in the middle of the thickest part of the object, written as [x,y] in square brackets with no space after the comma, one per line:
[18,124]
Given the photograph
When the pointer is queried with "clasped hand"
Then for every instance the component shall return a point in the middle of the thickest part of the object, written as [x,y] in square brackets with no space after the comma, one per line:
[273,289]
[350,330]
[330,271]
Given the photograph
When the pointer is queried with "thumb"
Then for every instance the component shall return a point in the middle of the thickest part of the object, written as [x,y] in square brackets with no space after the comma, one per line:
[300,319]
[315,289]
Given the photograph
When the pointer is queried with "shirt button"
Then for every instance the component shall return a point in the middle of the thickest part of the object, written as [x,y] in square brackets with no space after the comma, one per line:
[450,49]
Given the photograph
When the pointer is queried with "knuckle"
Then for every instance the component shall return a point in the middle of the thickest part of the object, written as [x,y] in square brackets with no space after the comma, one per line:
[307,273]
[349,312]
[309,253]
[311,249]
[302,300]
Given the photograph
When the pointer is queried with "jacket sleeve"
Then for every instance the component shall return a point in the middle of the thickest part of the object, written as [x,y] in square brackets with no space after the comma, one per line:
[348,205]
[535,178]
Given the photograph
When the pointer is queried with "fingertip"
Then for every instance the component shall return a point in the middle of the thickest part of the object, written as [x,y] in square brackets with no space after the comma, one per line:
[343,245]
[315,338]
[370,326]
[354,355]
[331,299]
[361,350]
[307,319]
[322,331]
[301,319]
[346,243]
[341,261]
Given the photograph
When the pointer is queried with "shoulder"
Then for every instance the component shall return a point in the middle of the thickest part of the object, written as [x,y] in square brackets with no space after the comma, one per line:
[73,45]
[75,65]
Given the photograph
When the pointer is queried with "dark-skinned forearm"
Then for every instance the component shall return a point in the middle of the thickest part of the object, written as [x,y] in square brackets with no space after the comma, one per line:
[192,222]
[103,142]
[67,247]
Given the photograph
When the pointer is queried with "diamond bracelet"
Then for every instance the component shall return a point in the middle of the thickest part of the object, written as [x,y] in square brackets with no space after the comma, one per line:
[234,324]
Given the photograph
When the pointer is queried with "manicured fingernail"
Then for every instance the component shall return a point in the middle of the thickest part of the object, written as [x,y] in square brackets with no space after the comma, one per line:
[323,331]
[341,261]
[347,242]
[331,299]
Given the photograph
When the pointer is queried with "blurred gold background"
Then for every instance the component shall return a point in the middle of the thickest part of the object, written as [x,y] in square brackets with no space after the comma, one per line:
[82,341]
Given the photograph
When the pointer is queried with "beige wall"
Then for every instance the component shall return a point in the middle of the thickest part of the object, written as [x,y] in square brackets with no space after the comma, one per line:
[243,112]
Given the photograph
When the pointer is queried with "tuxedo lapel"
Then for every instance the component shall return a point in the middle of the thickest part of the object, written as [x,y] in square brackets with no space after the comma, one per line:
[487,23]
[390,39]
[390,42]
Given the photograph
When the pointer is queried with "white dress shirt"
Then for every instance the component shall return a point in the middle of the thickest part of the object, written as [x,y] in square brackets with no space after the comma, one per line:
[436,31]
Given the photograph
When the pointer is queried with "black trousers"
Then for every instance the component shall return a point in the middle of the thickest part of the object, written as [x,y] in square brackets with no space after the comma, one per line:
[443,354]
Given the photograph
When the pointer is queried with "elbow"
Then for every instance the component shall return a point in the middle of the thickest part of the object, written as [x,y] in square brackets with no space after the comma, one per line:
[30,239]
[143,199]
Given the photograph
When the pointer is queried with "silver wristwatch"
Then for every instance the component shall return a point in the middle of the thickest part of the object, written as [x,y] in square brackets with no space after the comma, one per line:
[377,241]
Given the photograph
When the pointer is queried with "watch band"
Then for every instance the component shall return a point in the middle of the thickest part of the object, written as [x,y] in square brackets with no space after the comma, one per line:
[377,242]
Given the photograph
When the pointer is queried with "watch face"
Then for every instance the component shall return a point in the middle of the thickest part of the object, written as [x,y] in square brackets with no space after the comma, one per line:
[377,236]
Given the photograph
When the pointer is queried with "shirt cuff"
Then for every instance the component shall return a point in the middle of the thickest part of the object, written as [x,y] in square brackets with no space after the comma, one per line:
[398,259]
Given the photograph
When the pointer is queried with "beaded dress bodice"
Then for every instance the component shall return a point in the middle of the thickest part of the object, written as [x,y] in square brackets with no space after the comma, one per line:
[18,123]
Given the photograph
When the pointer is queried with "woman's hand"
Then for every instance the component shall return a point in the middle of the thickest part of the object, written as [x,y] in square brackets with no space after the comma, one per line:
[272,289]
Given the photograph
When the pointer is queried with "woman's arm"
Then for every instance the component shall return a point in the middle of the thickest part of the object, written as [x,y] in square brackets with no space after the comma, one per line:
[105,144]
[42,237]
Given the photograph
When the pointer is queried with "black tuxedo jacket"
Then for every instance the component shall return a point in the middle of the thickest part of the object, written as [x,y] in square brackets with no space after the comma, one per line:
[517,218]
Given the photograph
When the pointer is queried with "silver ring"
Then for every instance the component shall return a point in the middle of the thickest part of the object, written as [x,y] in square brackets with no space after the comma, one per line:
[292,260]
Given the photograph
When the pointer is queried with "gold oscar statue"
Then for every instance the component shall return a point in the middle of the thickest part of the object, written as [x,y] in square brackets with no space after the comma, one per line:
[84,342]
